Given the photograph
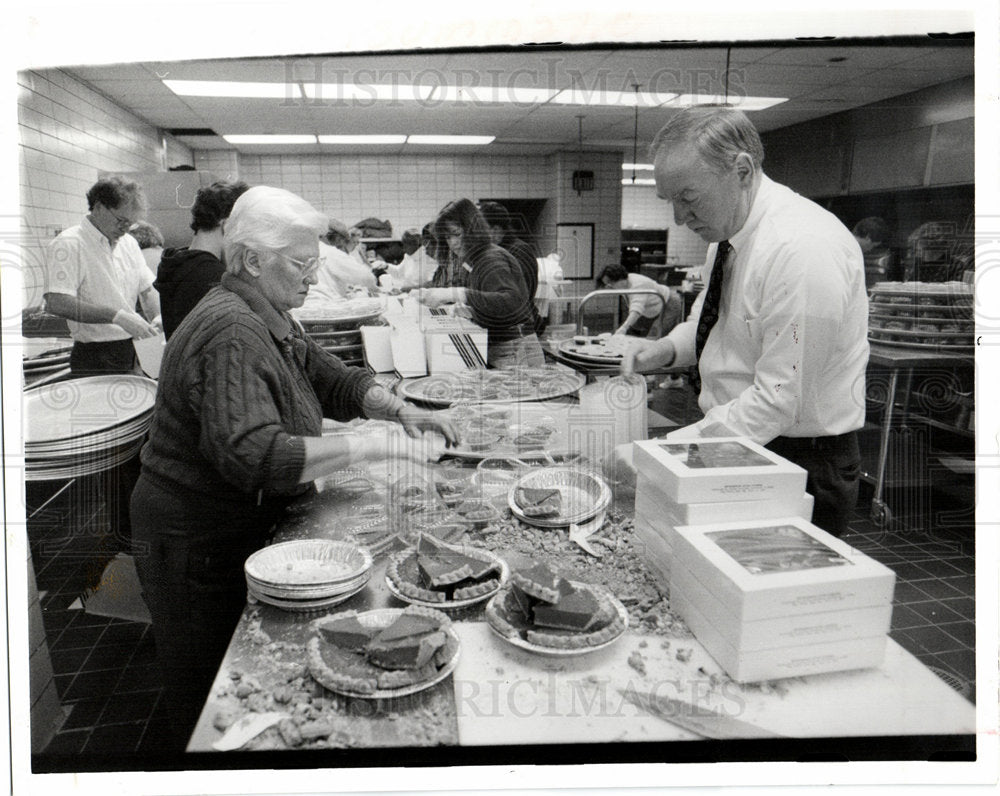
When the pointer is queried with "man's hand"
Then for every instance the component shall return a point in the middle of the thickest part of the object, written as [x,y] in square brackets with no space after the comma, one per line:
[135,325]
[643,355]
[417,421]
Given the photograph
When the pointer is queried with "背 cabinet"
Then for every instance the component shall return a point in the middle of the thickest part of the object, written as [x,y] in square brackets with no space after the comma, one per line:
[918,443]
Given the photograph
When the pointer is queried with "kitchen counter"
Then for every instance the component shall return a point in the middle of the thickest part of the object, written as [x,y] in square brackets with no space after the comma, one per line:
[501,695]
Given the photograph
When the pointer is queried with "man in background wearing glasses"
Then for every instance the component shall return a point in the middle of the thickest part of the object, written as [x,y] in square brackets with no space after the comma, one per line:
[96,276]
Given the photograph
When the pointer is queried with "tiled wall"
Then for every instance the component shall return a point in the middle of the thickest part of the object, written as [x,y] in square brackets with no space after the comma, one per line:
[643,209]
[68,135]
[600,206]
[406,190]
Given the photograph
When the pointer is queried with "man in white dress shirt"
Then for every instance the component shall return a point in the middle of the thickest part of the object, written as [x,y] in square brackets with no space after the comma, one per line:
[784,363]
[95,276]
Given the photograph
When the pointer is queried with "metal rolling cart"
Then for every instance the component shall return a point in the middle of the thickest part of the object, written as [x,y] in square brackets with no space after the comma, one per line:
[905,361]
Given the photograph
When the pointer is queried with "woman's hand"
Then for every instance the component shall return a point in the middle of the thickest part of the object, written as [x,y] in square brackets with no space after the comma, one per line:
[436,296]
[416,421]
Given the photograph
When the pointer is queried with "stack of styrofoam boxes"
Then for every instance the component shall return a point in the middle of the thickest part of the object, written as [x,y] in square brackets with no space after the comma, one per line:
[780,598]
[767,593]
[681,483]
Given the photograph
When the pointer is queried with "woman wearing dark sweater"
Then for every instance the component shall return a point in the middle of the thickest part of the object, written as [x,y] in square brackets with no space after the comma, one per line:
[496,293]
[186,274]
[236,436]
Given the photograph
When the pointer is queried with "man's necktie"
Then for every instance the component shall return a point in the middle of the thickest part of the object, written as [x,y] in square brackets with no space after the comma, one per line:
[710,308]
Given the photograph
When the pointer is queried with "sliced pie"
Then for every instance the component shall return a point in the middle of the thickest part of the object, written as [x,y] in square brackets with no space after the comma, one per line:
[548,611]
[436,572]
[538,502]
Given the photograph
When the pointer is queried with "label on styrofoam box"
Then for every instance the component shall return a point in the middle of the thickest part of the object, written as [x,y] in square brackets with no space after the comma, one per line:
[718,469]
[779,631]
[793,661]
[654,550]
[649,497]
[461,347]
[778,567]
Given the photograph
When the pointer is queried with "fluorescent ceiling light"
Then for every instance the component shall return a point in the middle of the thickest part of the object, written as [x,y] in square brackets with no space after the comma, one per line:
[511,95]
[637,166]
[740,103]
[638,181]
[472,140]
[362,139]
[366,92]
[598,96]
[219,88]
[270,139]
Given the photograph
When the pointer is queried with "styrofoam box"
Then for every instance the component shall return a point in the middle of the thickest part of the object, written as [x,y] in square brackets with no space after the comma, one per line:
[650,499]
[655,524]
[718,469]
[654,550]
[455,348]
[770,664]
[780,631]
[780,567]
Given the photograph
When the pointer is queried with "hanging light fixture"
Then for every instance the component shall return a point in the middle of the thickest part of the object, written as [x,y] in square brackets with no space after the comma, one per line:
[582,180]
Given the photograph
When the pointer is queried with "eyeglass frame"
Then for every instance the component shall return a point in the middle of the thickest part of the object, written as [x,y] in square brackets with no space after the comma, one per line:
[121,221]
[308,267]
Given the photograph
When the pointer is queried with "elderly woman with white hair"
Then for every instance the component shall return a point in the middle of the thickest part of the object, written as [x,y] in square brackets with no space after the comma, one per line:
[236,436]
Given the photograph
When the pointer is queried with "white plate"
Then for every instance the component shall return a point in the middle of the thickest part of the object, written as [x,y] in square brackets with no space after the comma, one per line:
[314,593]
[32,367]
[447,605]
[584,493]
[73,408]
[539,649]
[307,563]
[304,606]
[381,618]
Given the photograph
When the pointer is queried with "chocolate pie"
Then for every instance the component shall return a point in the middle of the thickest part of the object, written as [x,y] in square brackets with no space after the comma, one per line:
[538,502]
[437,572]
[545,610]
[349,655]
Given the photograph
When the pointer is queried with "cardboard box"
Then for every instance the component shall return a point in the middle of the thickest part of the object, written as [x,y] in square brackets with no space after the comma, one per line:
[770,664]
[718,469]
[780,631]
[651,499]
[780,567]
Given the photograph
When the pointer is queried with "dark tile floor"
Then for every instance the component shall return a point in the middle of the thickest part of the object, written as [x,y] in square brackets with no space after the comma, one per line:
[110,689]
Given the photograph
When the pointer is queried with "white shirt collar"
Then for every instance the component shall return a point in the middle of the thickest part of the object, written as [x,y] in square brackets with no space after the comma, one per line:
[756,213]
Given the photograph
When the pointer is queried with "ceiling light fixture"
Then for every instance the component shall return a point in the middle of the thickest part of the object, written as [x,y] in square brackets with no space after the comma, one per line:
[381,140]
[637,166]
[646,99]
[497,95]
[270,139]
[461,140]
[232,89]
[741,103]
[638,181]
[367,92]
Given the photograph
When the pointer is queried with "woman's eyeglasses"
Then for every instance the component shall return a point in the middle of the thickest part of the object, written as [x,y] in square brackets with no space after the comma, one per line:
[308,267]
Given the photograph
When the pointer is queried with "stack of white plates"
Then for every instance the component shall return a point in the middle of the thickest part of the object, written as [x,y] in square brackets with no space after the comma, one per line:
[307,575]
[583,495]
[84,426]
